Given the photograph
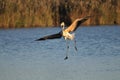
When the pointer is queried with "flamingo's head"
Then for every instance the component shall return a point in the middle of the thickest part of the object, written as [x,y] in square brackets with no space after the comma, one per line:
[63,25]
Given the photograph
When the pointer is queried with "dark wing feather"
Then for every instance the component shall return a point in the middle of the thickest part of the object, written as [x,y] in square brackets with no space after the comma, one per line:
[53,36]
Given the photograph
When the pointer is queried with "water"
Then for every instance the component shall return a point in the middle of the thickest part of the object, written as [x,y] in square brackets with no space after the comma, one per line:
[98,56]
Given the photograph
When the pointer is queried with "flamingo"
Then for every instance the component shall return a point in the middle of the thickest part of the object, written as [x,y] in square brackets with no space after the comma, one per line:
[67,33]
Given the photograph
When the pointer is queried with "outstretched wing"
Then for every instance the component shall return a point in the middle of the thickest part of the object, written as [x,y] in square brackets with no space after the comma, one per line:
[76,24]
[53,36]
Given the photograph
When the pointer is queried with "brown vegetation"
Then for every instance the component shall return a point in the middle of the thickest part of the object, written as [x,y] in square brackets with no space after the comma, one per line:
[34,13]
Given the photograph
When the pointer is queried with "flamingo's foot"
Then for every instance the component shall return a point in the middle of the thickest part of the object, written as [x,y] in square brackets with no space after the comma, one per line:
[66,58]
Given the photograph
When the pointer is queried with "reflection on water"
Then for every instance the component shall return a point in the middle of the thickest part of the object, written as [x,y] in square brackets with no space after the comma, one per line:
[98,56]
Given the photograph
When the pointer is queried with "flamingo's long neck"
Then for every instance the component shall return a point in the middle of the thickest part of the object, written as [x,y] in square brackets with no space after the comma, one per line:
[66,34]
[63,28]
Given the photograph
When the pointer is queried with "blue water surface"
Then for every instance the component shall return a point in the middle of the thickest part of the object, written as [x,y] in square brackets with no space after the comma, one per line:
[97,58]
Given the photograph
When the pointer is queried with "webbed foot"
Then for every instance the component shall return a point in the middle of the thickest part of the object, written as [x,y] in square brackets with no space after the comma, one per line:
[66,58]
